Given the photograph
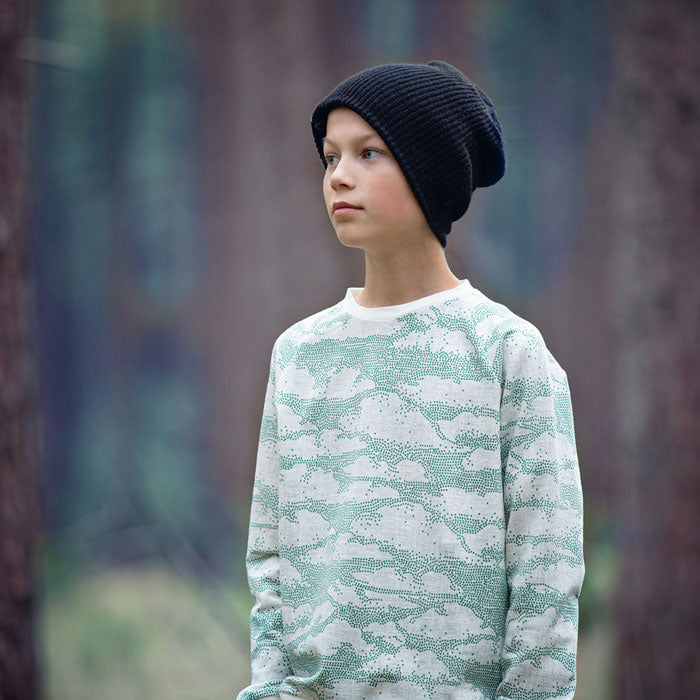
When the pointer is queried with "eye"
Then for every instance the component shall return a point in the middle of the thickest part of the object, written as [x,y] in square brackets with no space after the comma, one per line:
[330,156]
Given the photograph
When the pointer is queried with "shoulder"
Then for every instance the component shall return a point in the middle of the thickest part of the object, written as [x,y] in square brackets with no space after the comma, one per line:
[311,329]
[514,345]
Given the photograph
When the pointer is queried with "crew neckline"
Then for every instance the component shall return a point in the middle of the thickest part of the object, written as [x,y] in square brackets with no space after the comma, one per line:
[349,304]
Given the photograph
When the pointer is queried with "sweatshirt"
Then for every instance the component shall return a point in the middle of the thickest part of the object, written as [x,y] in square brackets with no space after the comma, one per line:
[416,524]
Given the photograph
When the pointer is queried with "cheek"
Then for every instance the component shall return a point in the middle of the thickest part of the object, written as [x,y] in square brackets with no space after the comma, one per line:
[327,191]
[398,192]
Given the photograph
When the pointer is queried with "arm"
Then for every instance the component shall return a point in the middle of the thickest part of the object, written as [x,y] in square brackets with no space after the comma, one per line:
[269,662]
[544,522]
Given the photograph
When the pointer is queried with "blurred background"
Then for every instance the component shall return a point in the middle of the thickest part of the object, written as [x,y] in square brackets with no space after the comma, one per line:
[162,221]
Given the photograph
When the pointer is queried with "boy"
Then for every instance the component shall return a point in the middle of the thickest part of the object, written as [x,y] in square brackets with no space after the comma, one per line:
[416,526]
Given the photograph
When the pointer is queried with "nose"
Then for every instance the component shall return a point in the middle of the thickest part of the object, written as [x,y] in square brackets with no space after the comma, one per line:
[341,173]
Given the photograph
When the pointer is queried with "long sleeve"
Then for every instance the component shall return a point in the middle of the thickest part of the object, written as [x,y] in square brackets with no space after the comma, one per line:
[543,505]
[269,662]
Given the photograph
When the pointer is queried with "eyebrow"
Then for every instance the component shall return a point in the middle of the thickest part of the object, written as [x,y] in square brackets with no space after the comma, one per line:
[359,139]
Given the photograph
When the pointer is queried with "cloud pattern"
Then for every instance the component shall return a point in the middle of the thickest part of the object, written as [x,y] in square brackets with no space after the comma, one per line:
[416,523]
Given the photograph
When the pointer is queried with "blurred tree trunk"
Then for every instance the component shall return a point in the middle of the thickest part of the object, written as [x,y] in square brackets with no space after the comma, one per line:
[655,307]
[244,107]
[18,512]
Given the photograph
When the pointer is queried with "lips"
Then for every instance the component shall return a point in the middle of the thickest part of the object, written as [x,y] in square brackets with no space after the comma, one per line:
[342,209]
[344,205]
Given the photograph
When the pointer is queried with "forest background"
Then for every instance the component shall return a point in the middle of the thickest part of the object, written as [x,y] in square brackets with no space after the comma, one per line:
[162,221]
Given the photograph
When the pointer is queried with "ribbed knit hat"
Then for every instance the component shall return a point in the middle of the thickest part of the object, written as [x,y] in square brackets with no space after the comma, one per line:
[441,128]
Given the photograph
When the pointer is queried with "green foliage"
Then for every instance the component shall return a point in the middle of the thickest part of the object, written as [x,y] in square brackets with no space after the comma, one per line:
[596,632]
[143,633]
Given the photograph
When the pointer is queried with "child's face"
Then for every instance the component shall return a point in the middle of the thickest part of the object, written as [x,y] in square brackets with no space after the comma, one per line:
[363,172]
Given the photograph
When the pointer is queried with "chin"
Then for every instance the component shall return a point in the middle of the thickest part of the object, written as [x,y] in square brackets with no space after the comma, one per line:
[352,239]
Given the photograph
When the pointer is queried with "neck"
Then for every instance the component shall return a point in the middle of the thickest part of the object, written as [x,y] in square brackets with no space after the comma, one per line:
[399,276]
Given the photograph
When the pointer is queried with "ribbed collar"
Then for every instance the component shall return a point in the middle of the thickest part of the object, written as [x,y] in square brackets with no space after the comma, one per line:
[349,304]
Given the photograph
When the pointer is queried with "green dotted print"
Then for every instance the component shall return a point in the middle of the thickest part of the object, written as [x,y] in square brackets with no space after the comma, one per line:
[416,525]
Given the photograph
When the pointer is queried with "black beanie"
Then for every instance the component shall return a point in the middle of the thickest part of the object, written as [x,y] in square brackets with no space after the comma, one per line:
[441,128]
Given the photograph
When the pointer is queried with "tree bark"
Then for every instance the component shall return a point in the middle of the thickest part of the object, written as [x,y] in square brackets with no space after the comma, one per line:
[655,308]
[18,460]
